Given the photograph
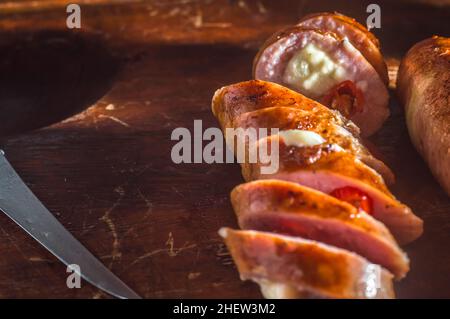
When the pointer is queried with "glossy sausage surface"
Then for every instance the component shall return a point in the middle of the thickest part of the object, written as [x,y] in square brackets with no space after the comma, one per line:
[423,87]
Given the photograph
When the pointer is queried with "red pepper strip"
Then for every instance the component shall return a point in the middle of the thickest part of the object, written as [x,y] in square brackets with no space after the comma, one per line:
[346,98]
[354,196]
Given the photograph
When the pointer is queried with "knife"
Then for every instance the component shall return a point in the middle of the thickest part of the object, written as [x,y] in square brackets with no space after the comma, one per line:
[24,208]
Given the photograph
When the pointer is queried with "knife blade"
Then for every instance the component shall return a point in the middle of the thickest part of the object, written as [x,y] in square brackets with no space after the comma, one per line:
[24,208]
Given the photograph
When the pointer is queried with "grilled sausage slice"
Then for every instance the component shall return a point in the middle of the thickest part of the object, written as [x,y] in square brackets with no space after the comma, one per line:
[296,267]
[292,209]
[288,118]
[326,168]
[233,101]
[327,68]
[423,87]
[357,34]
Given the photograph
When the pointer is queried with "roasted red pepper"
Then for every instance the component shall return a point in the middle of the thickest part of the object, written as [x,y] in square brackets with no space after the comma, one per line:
[354,196]
[346,98]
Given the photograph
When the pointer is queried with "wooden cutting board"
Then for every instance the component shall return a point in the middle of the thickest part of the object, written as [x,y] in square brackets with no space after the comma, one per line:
[116,89]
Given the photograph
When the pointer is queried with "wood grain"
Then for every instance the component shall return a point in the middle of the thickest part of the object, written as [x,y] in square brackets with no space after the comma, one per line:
[138,71]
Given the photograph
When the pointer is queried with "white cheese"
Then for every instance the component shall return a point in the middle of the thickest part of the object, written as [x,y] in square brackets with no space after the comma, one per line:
[301,138]
[223,232]
[276,290]
[341,130]
[312,71]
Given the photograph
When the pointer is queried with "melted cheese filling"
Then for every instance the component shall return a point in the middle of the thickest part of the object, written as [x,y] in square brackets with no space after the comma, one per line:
[277,290]
[300,138]
[312,71]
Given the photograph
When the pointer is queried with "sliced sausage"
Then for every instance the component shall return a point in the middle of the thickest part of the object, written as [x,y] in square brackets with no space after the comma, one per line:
[297,267]
[327,68]
[326,168]
[292,209]
[232,101]
[346,27]
[287,118]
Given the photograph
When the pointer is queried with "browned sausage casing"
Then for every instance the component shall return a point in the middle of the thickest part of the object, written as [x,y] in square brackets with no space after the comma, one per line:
[423,86]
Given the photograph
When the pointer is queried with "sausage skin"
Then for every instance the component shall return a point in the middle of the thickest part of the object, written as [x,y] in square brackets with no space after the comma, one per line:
[423,87]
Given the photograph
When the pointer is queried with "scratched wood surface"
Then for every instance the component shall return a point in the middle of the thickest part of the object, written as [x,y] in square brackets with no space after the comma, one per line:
[86,118]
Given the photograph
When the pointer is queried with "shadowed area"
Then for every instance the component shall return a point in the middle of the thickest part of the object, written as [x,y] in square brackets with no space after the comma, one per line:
[48,76]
